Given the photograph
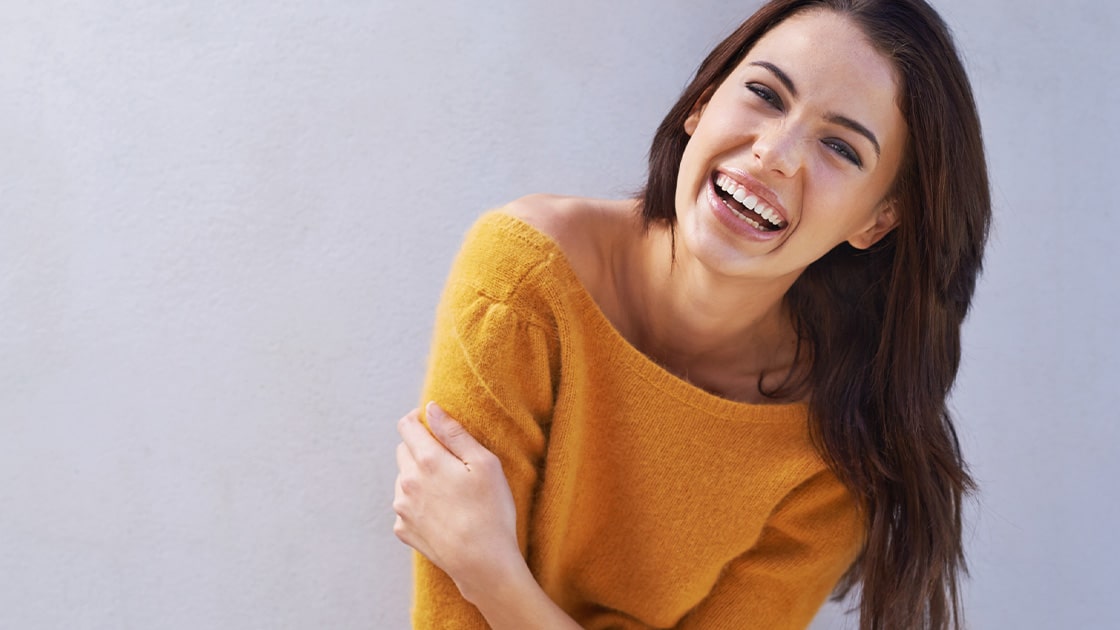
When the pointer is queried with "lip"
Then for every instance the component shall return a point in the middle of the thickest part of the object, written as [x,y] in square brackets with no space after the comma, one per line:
[731,221]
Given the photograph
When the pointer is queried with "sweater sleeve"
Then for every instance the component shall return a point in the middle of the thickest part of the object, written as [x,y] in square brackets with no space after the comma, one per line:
[491,368]
[807,544]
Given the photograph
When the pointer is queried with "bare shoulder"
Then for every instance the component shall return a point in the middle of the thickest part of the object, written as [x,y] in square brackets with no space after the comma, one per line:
[587,230]
[574,222]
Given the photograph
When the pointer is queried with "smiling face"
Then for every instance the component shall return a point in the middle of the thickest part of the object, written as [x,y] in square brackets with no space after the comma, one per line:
[794,153]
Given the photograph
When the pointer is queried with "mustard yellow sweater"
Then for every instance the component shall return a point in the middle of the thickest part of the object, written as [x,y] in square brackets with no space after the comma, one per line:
[643,501]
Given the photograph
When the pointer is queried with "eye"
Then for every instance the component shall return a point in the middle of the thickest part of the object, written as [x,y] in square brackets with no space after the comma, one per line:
[766,94]
[845,151]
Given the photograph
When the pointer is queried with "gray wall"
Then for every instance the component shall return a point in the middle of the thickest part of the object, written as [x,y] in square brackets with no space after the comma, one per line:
[224,226]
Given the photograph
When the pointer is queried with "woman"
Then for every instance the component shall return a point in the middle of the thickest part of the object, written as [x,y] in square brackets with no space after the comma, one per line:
[709,406]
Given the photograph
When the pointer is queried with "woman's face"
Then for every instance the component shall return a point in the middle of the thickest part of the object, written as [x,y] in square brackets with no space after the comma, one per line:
[793,153]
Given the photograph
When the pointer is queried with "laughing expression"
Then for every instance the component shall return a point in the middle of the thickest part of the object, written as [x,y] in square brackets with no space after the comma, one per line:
[794,153]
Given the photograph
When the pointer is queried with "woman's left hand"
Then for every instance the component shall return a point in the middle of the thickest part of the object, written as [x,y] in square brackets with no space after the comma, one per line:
[453,502]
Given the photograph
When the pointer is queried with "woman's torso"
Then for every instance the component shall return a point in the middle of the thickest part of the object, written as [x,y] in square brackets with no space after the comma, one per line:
[649,486]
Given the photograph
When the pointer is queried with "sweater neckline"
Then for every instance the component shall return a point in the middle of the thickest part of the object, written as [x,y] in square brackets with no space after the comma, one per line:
[621,350]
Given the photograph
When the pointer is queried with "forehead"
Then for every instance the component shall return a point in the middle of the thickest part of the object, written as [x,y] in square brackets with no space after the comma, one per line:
[829,58]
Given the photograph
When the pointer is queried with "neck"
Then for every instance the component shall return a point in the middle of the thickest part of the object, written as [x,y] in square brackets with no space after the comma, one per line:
[695,321]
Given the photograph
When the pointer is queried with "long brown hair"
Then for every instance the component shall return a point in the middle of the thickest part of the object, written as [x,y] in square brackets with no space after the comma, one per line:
[881,328]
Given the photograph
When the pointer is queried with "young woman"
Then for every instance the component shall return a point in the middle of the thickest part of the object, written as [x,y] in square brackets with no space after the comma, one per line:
[713,405]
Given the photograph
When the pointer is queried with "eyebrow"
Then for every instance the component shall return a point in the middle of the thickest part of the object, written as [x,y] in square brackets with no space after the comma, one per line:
[843,121]
[782,76]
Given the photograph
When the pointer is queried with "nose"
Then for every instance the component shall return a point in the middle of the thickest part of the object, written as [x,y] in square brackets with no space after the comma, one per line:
[778,149]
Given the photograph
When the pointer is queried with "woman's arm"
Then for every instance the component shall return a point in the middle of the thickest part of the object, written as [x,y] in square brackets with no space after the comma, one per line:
[494,366]
[455,507]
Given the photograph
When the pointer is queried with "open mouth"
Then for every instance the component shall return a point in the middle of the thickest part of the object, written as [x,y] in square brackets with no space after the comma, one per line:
[746,206]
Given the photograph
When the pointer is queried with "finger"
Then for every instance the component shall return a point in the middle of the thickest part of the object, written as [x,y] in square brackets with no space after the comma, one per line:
[405,462]
[421,444]
[400,499]
[409,476]
[402,531]
[412,416]
[451,433]
[404,506]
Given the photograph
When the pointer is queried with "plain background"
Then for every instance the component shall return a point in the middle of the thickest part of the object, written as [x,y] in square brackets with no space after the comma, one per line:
[224,227]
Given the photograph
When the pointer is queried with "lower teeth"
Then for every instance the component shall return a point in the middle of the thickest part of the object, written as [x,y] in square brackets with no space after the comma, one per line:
[747,219]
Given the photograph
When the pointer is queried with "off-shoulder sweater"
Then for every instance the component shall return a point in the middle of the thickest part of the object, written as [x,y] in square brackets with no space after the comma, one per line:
[643,501]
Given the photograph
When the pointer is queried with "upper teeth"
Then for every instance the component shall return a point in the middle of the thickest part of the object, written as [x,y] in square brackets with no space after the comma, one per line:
[741,195]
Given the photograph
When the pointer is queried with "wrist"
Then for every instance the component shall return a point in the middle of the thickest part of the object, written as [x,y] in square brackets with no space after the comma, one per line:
[502,579]
[513,600]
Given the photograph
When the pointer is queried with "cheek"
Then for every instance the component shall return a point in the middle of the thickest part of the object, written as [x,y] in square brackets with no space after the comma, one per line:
[726,127]
[834,212]
[707,147]
[725,119]
[694,168]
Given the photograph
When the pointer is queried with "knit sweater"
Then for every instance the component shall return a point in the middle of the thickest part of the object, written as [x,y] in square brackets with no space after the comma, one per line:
[643,501]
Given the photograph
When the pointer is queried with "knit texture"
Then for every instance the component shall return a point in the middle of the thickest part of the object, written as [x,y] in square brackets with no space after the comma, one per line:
[643,501]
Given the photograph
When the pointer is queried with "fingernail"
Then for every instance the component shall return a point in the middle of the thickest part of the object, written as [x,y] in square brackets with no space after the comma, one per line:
[433,409]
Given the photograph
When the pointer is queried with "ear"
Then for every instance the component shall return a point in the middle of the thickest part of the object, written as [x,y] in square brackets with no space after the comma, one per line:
[886,219]
[693,119]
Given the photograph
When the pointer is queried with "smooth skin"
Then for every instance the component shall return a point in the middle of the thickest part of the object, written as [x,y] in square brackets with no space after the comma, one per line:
[719,304]
[454,505]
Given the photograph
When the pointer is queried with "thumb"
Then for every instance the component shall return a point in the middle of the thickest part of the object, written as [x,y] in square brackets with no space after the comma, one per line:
[449,432]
